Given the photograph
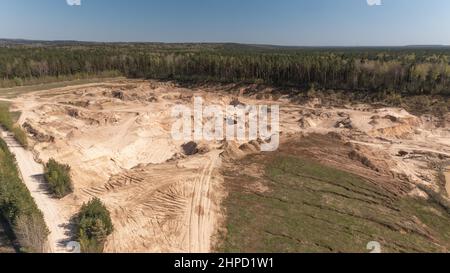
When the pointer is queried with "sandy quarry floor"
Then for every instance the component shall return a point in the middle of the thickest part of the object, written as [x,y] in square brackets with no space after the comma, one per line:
[116,137]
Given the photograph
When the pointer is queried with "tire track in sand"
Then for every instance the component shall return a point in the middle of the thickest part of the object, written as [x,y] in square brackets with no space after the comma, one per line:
[201,222]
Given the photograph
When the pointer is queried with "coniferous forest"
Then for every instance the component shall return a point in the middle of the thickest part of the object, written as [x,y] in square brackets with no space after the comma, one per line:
[405,70]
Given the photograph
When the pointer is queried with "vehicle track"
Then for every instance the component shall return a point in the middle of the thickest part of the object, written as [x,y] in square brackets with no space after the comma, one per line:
[200,215]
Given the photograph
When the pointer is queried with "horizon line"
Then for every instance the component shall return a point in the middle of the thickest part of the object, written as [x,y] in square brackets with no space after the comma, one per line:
[218,43]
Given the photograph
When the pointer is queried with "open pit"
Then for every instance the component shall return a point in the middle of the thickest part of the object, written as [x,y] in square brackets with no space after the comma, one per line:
[116,137]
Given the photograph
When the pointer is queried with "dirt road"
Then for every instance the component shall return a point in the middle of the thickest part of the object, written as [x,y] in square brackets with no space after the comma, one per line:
[32,174]
[201,221]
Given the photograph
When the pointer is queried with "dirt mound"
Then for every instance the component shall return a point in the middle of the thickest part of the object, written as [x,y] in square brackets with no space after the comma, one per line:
[400,131]
[231,151]
[92,118]
[306,123]
[251,147]
[344,124]
[37,135]
[235,102]
[378,161]
[118,94]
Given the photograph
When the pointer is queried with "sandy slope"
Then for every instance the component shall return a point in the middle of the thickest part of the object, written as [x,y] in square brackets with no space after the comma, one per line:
[54,214]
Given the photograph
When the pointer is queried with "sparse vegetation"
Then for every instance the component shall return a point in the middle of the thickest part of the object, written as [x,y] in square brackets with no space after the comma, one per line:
[58,178]
[6,120]
[309,207]
[93,225]
[18,207]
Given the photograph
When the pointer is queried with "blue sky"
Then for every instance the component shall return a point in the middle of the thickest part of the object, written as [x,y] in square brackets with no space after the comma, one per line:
[284,22]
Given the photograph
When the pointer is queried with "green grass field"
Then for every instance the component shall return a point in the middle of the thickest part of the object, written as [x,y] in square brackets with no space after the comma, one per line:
[310,207]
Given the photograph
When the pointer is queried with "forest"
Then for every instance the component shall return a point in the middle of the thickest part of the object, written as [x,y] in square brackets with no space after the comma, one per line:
[403,70]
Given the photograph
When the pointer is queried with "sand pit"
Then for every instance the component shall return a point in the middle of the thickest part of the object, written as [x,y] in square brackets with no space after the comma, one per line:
[117,139]
[120,149]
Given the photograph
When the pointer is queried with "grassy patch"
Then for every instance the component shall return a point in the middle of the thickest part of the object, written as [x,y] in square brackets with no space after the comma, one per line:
[310,207]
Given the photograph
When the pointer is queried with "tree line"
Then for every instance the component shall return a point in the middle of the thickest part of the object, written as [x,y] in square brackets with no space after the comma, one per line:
[18,207]
[416,71]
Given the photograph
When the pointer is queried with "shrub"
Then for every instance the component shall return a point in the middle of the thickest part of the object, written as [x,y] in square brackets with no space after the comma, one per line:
[18,207]
[18,81]
[58,178]
[93,225]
